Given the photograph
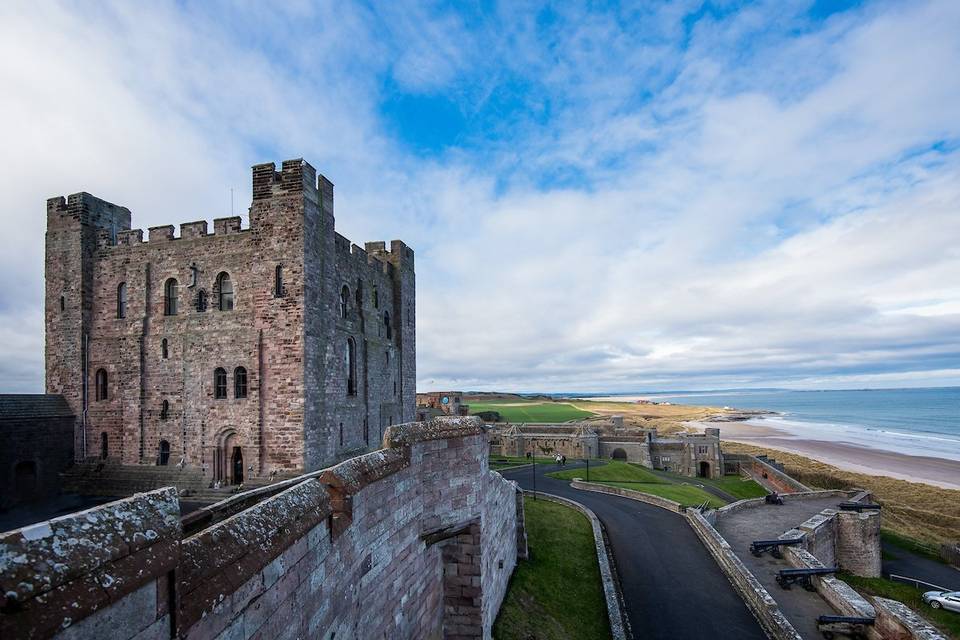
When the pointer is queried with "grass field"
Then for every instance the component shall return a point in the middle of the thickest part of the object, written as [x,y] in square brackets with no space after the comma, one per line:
[531,411]
[947,621]
[556,593]
[631,476]
[505,462]
[611,472]
[738,487]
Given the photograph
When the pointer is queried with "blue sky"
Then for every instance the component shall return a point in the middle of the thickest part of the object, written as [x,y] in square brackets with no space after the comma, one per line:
[602,197]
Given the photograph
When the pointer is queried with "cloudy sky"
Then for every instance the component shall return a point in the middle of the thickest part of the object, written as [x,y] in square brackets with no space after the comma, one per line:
[688,195]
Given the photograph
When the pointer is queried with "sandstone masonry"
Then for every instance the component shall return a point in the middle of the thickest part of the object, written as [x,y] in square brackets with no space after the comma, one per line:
[416,540]
[280,347]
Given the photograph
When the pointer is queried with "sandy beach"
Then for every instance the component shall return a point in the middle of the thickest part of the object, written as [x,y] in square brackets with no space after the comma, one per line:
[844,455]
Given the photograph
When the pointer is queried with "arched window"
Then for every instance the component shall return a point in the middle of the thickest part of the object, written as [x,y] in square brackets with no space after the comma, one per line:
[102,392]
[165,410]
[170,297]
[164,349]
[164,456]
[387,326]
[344,301]
[376,297]
[278,281]
[104,449]
[351,365]
[122,300]
[219,383]
[201,300]
[239,382]
[225,291]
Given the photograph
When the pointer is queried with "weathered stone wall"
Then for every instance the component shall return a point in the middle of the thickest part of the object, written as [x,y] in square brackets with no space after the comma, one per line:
[858,543]
[416,540]
[897,621]
[756,597]
[769,477]
[289,334]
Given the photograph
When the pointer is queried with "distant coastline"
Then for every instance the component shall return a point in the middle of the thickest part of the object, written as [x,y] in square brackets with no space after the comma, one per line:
[909,434]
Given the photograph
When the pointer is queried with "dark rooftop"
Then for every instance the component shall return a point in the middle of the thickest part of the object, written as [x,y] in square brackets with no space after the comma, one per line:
[34,405]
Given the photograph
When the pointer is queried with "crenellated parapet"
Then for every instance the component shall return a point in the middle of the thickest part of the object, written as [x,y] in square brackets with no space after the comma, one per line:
[379,544]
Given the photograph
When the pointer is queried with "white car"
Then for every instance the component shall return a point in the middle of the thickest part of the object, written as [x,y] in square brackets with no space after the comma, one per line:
[949,600]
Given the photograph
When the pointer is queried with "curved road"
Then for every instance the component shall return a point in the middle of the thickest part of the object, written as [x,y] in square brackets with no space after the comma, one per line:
[672,587]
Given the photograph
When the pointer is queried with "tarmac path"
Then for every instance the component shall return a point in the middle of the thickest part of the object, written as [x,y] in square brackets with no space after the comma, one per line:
[672,587]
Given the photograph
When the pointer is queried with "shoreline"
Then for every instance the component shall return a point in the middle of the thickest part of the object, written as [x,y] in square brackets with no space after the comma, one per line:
[939,472]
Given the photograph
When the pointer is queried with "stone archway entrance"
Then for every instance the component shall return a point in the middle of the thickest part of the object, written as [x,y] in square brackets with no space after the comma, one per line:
[619,454]
[704,470]
[228,459]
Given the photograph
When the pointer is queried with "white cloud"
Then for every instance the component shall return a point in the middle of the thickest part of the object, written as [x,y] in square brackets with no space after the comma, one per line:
[772,202]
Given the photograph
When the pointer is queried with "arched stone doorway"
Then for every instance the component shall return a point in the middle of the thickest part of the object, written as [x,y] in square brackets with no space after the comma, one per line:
[25,480]
[228,459]
[704,470]
[619,454]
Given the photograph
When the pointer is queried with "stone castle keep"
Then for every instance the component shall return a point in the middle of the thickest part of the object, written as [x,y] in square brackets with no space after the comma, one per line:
[241,352]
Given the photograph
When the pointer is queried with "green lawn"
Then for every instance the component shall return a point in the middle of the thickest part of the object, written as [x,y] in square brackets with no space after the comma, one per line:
[531,411]
[610,472]
[947,621]
[505,462]
[685,494]
[557,593]
[737,486]
[632,476]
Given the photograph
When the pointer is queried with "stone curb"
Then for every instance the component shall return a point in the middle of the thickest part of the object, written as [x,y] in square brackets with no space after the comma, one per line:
[619,624]
[639,496]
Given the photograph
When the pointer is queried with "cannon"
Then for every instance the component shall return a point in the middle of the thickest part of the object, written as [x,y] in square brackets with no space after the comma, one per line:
[757,547]
[846,626]
[787,577]
[859,506]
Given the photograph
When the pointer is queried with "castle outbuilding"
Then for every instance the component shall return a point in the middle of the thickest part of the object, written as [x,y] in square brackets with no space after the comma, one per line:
[241,352]
[689,454]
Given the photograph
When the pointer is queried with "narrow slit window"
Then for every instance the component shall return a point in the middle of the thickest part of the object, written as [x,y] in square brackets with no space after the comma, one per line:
[219,383]
[122,300]
[278,281]
[240,383]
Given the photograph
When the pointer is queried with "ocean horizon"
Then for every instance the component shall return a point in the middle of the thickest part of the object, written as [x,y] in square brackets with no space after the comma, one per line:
[916,421]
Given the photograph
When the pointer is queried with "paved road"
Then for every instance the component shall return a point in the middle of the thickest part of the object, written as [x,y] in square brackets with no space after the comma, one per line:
[905,563]
[672,587]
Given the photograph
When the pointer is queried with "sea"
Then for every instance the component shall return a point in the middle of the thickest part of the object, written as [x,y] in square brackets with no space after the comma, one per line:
[921,422]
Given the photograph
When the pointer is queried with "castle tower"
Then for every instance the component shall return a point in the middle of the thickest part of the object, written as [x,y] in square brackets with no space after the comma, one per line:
[75,226]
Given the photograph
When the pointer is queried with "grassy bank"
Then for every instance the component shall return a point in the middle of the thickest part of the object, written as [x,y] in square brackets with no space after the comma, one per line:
[519,411]
[505,462]
[635,477]
[946,621]
[910,509]
[557,593]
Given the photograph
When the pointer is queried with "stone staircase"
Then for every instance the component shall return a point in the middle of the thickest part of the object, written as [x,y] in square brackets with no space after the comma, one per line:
[101,479]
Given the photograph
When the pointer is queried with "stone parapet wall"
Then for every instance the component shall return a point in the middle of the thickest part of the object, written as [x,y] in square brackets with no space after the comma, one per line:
[769,477]
[657,501]
[415,540]
[858,543]
[897,621]
[838,594]
[756,597]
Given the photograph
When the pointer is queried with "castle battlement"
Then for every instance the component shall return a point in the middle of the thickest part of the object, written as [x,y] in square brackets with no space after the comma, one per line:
[234,351]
